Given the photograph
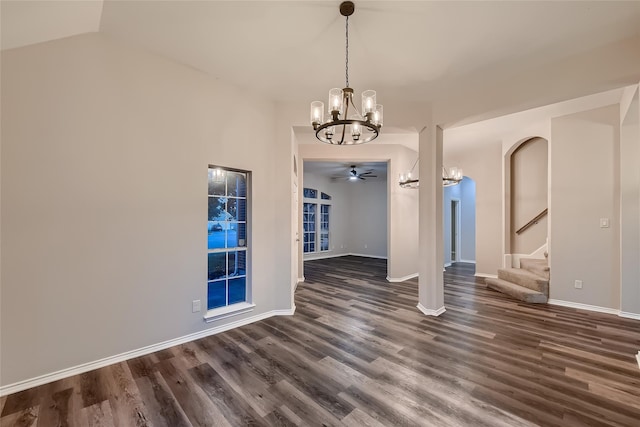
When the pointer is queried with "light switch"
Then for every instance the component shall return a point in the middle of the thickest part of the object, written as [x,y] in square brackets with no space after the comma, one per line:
[604,222]
[195,306]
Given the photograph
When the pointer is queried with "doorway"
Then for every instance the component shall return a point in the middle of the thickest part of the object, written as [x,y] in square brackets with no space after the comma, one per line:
[455,227]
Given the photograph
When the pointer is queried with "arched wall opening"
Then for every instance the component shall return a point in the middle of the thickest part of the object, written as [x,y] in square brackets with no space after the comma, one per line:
[526,195]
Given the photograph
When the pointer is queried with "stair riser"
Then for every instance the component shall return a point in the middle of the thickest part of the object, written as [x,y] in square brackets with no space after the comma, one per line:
[529,298]
[538,267]
[539,285]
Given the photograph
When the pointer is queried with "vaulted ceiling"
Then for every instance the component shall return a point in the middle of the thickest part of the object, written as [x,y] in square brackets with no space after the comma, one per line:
[469,60]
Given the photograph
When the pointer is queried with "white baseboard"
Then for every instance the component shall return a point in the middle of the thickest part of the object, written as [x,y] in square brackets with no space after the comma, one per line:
[467,261]
[429,312]
[401,279]
[584,306]
[447,264]
[300,279]
[638,359]
[628,315]
[490,276]
[101,363]
[323,255]
[368,256]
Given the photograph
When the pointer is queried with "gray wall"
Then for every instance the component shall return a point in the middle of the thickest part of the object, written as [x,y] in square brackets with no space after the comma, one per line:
[585,188]
[104,182]
[368,217]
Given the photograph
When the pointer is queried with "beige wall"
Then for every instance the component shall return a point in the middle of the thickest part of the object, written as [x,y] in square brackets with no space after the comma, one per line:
[104,183]
[483,164]
[528,173]
[630,205]
[585,188]
[402,216]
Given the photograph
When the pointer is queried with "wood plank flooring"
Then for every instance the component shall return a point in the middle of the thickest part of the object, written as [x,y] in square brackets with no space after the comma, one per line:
[357,352]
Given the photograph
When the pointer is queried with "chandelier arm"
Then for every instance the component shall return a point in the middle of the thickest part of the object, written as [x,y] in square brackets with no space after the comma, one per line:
[375,130]
[414,164]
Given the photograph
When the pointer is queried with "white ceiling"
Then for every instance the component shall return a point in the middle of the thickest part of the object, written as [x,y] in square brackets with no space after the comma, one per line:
[467,57]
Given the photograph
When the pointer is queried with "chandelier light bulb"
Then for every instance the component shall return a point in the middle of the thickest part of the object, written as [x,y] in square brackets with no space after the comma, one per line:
[317,112]
[368,101]
[335,101]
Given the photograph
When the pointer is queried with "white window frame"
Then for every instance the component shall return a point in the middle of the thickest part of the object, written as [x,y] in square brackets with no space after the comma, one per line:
[319,202]
[247,305]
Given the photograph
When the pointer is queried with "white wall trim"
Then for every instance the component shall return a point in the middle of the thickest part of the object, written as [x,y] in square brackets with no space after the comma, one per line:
[468,261]
[401,279]
[429,312]
[628,315]
[311,257]
[322,255]
[367,256]
[490,276]
[447,264]
[584,306]
[89,366]
[300,280]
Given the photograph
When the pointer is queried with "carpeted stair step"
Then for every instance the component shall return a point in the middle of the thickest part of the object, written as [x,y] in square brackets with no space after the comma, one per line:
[524,278]
[536,266]
[516,291]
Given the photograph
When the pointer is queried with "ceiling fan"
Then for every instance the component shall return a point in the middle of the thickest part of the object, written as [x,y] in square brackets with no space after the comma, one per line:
[354,175]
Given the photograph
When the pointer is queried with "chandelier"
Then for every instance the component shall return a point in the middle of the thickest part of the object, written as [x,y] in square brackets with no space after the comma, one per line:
[345,124]
[450,176]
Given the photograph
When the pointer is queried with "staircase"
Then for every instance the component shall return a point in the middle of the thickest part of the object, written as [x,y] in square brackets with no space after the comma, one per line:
[529,283]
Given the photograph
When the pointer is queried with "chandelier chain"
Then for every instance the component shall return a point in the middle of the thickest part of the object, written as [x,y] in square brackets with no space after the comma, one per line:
[346,55]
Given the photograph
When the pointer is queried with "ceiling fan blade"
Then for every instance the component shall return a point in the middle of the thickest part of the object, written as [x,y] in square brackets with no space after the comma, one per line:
[364,179]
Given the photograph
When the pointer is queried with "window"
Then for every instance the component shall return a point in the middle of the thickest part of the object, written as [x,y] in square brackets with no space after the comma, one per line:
[227,237]
[324,227]
[309,226]
[315,224]
[310,193]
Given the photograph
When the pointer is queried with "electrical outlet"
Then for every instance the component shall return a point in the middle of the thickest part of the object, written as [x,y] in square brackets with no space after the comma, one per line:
[577,284]
[604,222]
[195,306]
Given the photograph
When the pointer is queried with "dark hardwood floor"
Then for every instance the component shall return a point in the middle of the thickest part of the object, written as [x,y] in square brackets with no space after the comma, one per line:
[357,352]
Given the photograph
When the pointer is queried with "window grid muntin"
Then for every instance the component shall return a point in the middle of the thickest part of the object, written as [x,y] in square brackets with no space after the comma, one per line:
[324,227]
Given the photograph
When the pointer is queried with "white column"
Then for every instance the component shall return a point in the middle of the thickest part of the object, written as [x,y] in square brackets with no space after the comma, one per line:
[431,255]
[630,205]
